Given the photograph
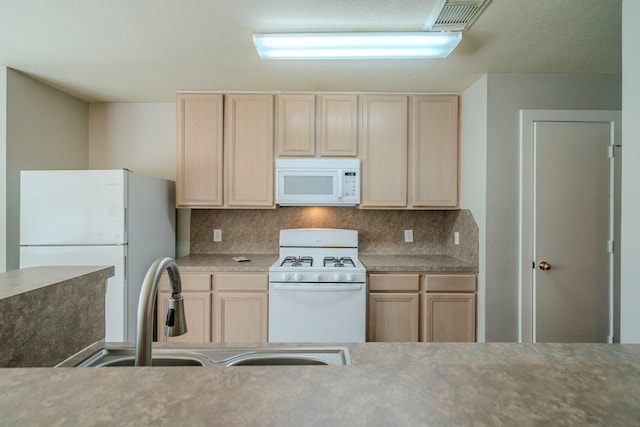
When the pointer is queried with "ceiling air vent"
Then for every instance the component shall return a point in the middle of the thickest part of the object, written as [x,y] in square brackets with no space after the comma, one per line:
[454,15]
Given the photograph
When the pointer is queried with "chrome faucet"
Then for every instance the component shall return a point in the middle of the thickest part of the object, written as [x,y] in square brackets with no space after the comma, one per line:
[176,323]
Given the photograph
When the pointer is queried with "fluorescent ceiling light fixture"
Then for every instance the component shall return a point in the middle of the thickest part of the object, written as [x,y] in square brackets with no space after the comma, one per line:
[356,45]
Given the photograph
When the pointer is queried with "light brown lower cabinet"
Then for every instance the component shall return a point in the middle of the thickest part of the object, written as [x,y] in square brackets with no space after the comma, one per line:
[197,306]
[411,307]
[393,308]
[219,307]
[240,307]
[196,292]
[393,317]
[448,308]
[449,317]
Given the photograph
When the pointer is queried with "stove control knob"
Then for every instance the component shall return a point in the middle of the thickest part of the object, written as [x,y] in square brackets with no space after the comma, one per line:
[349,277]
[285,276]
[337,277]
[297,277]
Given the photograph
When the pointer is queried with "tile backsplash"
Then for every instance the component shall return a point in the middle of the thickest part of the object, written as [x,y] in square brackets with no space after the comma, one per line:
[380,231]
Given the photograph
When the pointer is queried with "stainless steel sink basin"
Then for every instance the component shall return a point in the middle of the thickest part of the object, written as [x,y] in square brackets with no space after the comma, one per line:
[266,356]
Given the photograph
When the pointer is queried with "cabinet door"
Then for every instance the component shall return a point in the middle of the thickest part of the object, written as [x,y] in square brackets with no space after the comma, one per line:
[240,317]
[199,150]
[248,144]
[434,145]
[338,125]
[449,317]
[295,125]
[384,151]
[197,307]
[393,317]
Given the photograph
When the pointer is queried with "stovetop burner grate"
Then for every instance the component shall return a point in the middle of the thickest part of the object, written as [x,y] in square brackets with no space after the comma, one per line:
[297,261]
[332,261]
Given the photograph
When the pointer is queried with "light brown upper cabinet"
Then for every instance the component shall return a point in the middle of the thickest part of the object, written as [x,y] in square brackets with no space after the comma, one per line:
[383,135]
[408,145]
[224,163]
[433,142]
[338,125]
[248,147]
[295,125]
[309,125]
[199,150]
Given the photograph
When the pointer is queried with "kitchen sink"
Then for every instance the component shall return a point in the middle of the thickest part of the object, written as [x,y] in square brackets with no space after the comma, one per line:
[223,356]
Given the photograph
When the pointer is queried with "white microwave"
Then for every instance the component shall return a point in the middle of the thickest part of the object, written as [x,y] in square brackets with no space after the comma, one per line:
[317,182]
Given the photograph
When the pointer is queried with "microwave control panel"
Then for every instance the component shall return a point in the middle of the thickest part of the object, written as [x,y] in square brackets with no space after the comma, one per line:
[350,183]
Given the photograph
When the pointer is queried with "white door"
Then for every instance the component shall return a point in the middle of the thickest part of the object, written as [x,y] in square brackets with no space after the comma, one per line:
[567,246]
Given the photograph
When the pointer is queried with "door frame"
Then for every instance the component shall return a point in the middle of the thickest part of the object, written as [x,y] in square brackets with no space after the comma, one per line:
[528,118]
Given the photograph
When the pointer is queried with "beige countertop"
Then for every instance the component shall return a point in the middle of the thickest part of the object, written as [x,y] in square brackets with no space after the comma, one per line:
[373,263]
[418,263]
[224,262]
[16,282]
[388,384]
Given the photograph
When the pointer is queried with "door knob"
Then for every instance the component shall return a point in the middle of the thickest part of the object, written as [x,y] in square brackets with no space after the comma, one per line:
[544,265]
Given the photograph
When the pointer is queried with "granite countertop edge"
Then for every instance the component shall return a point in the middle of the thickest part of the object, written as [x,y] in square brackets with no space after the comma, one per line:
[372,262]
[30,279]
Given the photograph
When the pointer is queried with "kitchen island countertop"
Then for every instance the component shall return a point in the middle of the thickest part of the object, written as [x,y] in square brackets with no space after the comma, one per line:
[48,312]
[388,384]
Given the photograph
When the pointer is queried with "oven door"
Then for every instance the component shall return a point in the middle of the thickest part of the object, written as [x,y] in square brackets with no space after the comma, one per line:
[317,312]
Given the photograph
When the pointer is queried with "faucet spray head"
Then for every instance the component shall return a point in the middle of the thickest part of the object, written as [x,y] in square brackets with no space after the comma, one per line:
[176,323]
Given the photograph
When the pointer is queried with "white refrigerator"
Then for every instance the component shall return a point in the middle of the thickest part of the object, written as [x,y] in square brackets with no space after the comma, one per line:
[99,217]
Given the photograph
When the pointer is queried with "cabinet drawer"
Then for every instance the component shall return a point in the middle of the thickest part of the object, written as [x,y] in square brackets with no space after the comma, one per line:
[198,282]
[241,282]
[394,282]
[450,282]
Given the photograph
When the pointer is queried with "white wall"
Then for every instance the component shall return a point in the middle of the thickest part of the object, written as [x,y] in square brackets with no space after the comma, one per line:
[45,129]
[506,95]
[140,137]
[630,245]
[473,173]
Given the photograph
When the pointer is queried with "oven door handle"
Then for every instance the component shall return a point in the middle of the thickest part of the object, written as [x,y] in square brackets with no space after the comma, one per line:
[317,288]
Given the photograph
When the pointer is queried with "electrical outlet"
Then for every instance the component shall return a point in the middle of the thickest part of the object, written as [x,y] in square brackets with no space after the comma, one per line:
[408,236]
[456,238]
[217,235]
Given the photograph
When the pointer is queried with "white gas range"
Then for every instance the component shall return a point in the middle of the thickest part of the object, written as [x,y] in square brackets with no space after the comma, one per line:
[317,287]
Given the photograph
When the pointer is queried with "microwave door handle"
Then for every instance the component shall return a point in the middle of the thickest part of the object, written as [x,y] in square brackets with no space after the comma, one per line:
[340,179]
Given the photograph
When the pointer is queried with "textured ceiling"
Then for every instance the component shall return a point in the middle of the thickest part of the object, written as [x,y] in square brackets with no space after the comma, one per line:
[146,50]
